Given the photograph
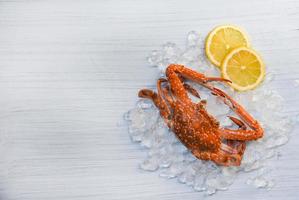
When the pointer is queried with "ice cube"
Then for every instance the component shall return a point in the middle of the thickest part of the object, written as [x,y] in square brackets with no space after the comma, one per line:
[192,38]
[162,67]
[269,154]
[221,183]
[136,136]
[275,102]
[149,164]
[145,104]
[171,53]
[258,182]
[180,148]
[199,182]
[277,141]
[167,173]
[216,108]
[170,49]
[177,167]
[155,58]
[269,77]
[146,140]
[174,170]
[189,56]
[253,166]
[189,157]
[165,161]
[187,176]
[229,171]
[245,99]
[271,184]
[251,159]
[225,121]
[210,191]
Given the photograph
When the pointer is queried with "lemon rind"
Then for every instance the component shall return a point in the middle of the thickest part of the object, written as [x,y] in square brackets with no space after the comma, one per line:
[213,32]
[226,76]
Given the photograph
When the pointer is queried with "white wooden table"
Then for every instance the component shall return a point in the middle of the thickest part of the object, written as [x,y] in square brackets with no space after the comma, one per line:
[70,69]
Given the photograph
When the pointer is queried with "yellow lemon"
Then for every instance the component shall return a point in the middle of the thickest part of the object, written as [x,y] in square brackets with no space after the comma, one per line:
[222,40]
[244,67]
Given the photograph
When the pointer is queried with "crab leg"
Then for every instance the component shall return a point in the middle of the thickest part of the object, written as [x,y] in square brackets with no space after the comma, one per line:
[254,134]
[235,146]
[228,148]
[165,92]
[238,122]
[176,84]
[227,159]
[220,158]
[240,146]
[191,74]
[177,73]
[157,99]
[190,89]
[243,134]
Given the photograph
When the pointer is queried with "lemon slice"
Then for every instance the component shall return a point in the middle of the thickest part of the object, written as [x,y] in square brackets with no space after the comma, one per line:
[222,40]
[244,67]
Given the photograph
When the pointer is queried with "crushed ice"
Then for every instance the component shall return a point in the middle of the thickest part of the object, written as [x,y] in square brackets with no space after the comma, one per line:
[172,160]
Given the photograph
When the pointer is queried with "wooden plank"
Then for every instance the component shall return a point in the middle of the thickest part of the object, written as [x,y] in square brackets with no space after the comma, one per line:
[70,69]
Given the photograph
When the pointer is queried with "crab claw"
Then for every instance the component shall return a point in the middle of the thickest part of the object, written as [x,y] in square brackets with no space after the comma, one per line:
[226,99]
[190,89]
[218,79]
[241,124]
[145,93]
[218,92]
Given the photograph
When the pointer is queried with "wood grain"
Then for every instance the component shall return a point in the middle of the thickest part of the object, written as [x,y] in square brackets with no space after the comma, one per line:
[70,69]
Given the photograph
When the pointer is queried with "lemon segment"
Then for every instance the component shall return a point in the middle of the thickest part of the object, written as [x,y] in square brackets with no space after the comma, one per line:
[244,67]
[222,40]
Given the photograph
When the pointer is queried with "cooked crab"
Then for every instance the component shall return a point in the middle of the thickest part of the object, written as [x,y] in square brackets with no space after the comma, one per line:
[199,131]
